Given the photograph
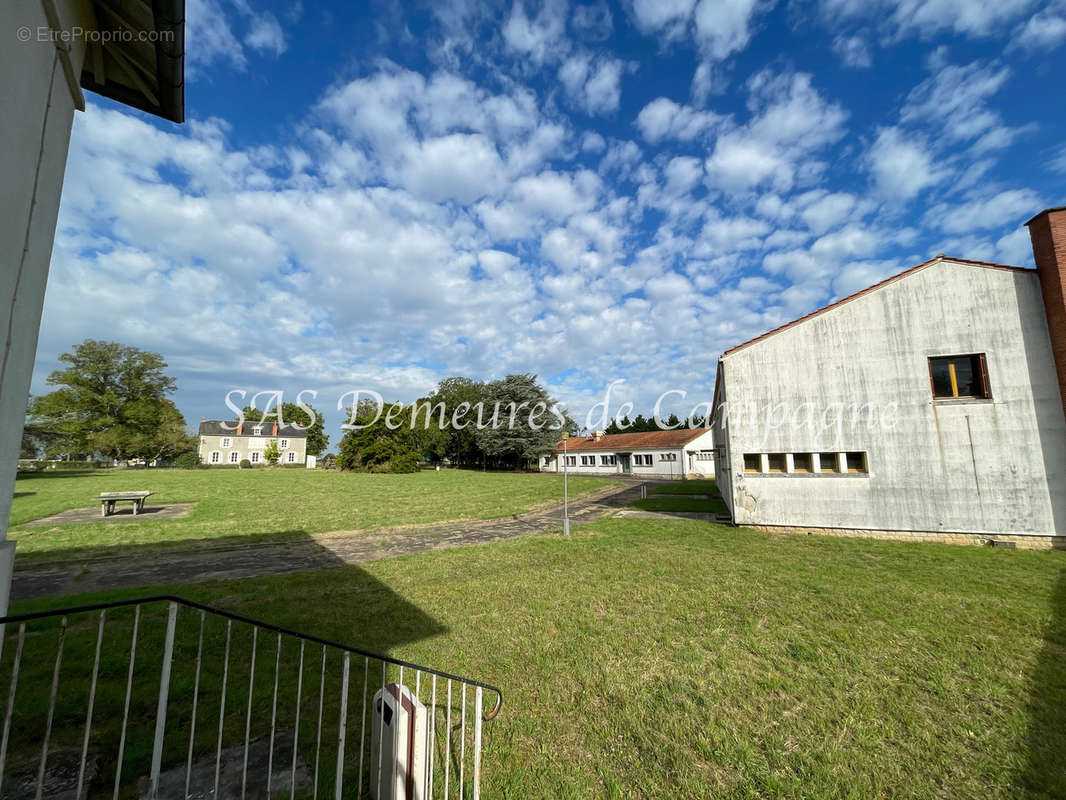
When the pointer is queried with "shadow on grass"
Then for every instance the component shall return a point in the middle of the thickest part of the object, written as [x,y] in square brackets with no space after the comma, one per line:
[24,494]
[1045,774]
[270,677]
[66,572]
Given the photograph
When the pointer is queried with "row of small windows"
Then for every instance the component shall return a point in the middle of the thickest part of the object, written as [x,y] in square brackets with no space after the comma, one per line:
[254,457]
[639,459]
[228,442]
[806,463]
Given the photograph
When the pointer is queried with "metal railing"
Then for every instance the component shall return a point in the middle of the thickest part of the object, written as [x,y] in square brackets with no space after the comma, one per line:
[165,697]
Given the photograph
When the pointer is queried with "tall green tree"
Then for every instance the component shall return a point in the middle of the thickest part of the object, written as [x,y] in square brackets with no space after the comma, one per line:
[459,395]
[317,438]
[111,401]
[514,433]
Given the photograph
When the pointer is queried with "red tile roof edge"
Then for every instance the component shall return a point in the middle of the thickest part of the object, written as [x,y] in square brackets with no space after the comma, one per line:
[868,289]
[677,437]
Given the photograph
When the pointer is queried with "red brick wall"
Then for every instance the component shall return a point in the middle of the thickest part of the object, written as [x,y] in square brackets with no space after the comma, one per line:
[1048,233]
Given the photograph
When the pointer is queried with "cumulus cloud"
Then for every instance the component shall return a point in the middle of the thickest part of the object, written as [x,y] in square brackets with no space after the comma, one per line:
[719,28]
[902,165]
[593,84]
[540,37]
[790,124]
[1011,207]
[214,26]
[662,118]
[853,51]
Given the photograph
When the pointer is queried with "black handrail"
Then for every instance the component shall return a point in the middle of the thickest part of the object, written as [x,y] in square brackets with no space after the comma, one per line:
[170,598]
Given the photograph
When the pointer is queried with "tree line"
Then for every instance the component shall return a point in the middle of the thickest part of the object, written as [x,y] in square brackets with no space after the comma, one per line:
[469,423]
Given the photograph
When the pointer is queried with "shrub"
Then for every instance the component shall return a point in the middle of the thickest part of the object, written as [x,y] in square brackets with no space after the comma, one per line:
[188,460]
[245,463]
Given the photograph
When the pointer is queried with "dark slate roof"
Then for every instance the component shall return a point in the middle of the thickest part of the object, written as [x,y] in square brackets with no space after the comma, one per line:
[217,427]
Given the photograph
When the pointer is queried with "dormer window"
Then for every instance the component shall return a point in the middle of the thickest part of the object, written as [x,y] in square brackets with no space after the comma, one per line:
[257,430]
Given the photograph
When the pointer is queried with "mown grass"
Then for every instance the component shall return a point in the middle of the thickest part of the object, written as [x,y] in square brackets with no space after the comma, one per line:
[688,504]
[671,658]
[703,486]
[264,505]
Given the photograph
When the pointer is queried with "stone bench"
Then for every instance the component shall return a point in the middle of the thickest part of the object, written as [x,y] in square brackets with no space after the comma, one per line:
[109,499]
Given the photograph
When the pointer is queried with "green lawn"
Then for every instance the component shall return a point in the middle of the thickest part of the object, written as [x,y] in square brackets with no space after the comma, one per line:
[687,487]
[268,504]
[709,506]
[672,658]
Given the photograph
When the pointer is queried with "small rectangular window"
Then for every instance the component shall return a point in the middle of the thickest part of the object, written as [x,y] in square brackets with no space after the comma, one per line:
[963,377]
[571,461]
[801,462]
[856,462]
[226,441]
[234,457]
[777,462]
[752,462]
[292,458]
[283,444]
[215,457]
[828,462]
[254,457]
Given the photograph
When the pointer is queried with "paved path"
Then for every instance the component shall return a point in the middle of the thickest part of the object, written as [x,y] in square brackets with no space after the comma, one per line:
[39,578]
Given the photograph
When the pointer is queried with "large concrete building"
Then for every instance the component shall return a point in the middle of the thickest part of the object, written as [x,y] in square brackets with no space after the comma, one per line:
[129,51]
[929,406]
[233,442]
[670,454]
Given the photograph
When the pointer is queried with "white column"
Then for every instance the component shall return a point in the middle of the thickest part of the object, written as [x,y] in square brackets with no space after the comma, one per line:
[35,130]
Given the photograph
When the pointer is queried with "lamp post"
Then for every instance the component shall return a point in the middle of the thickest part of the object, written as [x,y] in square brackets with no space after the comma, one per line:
[566,508]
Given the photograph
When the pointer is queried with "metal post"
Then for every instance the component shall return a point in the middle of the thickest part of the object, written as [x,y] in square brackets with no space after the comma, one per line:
[566,499]
[161,706]
[477,743]
[342,724]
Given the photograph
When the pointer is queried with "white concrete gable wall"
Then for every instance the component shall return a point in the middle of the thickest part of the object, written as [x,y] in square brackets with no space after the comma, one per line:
[980,466]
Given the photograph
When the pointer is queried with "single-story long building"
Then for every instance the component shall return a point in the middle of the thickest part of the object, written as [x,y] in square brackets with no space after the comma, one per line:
[928,406]
[670,454]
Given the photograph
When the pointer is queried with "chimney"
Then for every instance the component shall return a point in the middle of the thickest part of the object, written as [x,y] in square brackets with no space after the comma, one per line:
[240,427]
[203,419]
[1048,233]
[275,433]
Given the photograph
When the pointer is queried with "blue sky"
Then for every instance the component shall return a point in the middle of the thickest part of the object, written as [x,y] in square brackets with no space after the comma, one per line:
[376,196]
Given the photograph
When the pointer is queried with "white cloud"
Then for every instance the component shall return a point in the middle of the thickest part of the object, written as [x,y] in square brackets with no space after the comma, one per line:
[955,101]
[593,84]
[667,17]
[720,28]
[791,122]
[853,51]
[724,27]
[540,38]
[1010,207]
[1045,30]
[212,25]
[926,18]
[662,118]
[902,165]
[1015,247]
[265,34]
[829,211]
[593,21]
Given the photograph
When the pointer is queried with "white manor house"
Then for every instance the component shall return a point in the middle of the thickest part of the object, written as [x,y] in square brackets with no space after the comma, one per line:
[232,442]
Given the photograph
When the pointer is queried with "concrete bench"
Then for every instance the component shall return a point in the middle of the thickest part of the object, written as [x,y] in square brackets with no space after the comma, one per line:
[108,500]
